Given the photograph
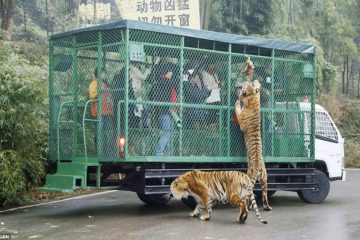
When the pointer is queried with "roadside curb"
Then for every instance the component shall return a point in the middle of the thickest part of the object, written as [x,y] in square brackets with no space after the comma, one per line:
[57,201]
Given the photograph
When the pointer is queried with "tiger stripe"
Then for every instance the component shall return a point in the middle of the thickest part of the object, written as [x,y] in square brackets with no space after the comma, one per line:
[248,118]
[210,188]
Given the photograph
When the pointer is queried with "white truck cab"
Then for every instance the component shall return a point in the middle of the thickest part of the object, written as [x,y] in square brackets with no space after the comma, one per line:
[328,150]
[329,144]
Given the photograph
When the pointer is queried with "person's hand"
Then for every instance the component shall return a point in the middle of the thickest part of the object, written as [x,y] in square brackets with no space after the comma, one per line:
[168,75]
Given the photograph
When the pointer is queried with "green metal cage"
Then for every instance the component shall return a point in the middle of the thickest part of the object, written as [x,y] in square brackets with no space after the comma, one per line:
[145,115]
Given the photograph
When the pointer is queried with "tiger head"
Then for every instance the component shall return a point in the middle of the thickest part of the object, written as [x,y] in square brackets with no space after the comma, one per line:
[180,187]
[250,94]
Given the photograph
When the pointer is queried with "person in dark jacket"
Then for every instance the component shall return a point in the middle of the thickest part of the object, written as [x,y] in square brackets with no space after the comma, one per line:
[195,117]
[196,93]
[164,90]
[118,86]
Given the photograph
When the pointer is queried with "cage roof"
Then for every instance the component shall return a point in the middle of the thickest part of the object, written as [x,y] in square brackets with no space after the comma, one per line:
[199,34]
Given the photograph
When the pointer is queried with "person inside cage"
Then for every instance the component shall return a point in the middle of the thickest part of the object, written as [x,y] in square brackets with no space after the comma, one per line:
[196,93]
[106,120]
[194,117]
[212,84]
[164,91]
[137,77]
[118,94]
[264,76]
[136,112]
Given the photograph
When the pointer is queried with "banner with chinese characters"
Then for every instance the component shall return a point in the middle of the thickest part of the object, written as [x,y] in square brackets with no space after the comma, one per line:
[181,13]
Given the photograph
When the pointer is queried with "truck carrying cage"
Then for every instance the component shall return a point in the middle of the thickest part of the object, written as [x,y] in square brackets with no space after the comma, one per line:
[147,121]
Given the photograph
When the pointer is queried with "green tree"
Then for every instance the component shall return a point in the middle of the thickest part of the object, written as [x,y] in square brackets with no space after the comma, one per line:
[241,17]
[331,25]
[259,16]
[23,124]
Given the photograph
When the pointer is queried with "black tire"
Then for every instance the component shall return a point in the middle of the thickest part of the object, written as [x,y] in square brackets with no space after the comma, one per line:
[320,193]
[154,199]
[190,202]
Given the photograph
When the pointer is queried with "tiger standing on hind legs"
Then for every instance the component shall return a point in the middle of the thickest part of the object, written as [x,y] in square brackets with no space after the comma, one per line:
[248,117]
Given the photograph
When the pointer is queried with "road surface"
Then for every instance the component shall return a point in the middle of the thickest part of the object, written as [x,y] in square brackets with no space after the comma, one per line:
[120,215]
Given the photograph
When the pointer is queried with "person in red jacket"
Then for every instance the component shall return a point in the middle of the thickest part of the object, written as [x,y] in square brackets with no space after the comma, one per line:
[106,119]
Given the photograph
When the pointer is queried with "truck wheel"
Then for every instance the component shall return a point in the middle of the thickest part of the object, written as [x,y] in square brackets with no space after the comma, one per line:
[154,199]
[320,192]
[190,202]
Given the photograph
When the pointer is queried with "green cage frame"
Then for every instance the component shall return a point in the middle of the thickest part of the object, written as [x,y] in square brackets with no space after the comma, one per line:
[74,56]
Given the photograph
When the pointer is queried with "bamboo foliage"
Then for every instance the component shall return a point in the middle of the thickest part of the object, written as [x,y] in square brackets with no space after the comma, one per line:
[23,124]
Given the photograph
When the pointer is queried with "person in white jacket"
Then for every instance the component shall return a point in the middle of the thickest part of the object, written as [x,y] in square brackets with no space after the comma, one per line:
[212,84]
[137,78]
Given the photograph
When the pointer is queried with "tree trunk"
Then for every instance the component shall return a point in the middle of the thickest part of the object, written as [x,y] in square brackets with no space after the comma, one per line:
[358,90]
[233,10]
[77,13]
[343,78]
[95,17]
[289,12]
[347,76]
[241,10]
[2,11]
[24,16]
[202,13]
[47,17]
[351,79]
[207,15]
[115,13]
[7,17]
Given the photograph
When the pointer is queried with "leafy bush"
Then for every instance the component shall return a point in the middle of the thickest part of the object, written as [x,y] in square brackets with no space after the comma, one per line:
[23,124]
[12,179]
[346,114]
[36,54]
[350,124]
[3,35]
[31,32]
[352,152]
[350,119]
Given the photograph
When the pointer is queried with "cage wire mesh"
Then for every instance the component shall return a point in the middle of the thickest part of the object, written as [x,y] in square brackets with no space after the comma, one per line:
[171,95]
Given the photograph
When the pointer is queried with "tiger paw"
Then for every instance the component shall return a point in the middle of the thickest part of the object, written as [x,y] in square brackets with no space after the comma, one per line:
[210,212]
[267,208]
[243,217]
[194,214]
[205,217]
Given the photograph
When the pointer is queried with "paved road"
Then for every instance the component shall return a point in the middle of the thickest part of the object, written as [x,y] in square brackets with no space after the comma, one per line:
[120,215]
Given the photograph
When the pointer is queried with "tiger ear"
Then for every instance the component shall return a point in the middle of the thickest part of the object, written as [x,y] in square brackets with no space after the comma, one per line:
[245,85]
[257,83]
